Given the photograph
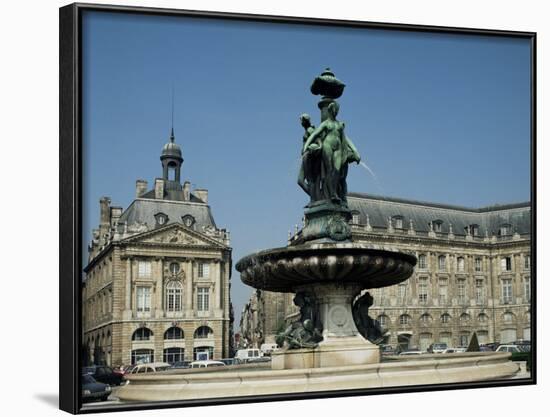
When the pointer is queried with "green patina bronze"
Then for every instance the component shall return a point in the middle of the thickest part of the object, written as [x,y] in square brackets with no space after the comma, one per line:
[326,154]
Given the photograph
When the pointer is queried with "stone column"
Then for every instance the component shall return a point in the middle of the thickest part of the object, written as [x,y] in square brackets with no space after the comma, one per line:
[128,296]
[159,287]
[189,288]
[217,286]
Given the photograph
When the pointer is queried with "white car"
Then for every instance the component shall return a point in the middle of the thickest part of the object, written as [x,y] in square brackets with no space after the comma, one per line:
[146,368]
[509,348]
[206,364]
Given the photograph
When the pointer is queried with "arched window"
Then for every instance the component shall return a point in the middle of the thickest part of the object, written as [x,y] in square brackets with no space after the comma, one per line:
[173,333]
[404,319]
[425,318]
[203,332]
[464,317]
[143,333]
[354,217]
[173,296]
[383,320]
[508,317]
[438,226]
[482,318]
[445,318]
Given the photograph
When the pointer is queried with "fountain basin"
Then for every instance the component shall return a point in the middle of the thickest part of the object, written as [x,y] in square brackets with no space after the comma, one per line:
[421,370]
[289,268]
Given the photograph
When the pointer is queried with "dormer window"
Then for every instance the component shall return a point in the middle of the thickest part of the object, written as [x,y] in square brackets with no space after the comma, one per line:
[473,229]
[354,217]
[438,226]
[161,219]
[188,220]
[505,230]
[398,222]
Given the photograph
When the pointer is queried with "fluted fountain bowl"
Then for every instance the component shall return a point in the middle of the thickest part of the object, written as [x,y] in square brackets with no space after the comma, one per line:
[288,268]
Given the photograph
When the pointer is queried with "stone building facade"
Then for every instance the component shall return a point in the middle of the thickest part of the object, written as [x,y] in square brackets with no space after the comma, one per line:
[473,272]
[157,283]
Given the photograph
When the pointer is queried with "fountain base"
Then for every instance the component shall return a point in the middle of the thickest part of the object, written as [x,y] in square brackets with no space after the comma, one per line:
[347,351]
[239,381]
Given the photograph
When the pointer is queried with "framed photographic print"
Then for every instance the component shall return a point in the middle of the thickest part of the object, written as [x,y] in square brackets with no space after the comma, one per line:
[257,208]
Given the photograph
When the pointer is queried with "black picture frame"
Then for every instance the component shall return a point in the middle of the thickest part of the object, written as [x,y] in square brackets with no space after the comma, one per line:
[70,205]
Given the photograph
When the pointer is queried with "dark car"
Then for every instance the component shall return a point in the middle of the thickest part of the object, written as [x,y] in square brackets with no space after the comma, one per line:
[93,390]
[104,374]
[387,350]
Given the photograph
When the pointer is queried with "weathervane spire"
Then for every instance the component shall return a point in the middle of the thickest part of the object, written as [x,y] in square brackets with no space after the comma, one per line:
[172,121]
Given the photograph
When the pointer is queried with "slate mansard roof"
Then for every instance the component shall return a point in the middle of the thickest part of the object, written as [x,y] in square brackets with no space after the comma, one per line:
[489,219]
[143,210]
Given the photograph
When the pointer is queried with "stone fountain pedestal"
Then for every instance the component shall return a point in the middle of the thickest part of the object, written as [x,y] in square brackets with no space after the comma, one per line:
[342,343]
[333,275]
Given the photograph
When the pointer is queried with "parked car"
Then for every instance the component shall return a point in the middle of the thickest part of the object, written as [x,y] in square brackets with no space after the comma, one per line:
[488,346]
[93,390]
[206,364]
[267,348]
[103,374]
[455,350]
[387,350]
[181,365]
[260,359]
[519,352]
[437,347]
[145,368]
[244,355]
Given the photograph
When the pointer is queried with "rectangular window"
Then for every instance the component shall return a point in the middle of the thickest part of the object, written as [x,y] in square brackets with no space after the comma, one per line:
[422,264]
[402,292]
[460,264]
[527,288]
[399,223]
[478,265]
[143,295]
[443,291]
[527,262]
[506,291]
[442,263]
[506,264]
[144,269]
[203,299]
[461,285]
[204,270]
[480,292]
[423,291]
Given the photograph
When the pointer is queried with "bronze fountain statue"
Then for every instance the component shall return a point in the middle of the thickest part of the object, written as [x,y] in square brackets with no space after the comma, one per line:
[326,270]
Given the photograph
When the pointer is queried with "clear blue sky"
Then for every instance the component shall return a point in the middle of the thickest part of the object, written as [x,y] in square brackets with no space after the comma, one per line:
[442,118]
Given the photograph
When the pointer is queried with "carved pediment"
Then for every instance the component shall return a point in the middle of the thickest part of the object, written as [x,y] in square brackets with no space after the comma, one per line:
[175,234]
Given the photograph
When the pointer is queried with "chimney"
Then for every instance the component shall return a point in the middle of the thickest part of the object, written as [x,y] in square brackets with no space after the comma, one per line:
[116,212]
[141,188]
[159,188]
[104,211]
[202,194]
[186,190]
